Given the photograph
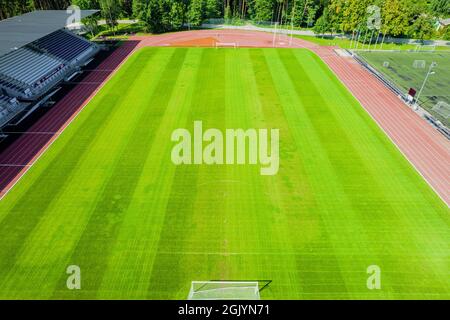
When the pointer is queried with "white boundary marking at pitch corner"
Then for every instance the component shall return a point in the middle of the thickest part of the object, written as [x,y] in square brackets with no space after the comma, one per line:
[65,125]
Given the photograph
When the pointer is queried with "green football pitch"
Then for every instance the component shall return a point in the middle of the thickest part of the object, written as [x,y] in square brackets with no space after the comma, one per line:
[402,71]
[107,197]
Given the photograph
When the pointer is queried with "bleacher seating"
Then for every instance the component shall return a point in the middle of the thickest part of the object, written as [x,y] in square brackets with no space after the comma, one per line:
[37,54]
[9,108]
[64,45]
[28,67]
[31,71]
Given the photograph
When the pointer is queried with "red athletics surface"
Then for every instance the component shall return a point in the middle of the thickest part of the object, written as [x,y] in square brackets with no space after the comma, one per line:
[426,149]
[18,157]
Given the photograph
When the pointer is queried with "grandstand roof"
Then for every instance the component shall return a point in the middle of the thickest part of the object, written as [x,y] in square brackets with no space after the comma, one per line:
[18,31]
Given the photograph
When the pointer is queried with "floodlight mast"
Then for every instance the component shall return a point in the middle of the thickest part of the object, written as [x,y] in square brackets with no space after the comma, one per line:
[351,41]
[292,24]
[382,41]
[432,65]
[274,34]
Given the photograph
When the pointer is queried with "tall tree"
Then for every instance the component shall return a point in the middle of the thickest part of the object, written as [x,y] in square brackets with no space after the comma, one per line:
[227,12]
[213,8]
[322,24]
[440,8]
[421,28]
[151,16]
[51,4]
[196,12]
[87,4]
[395,17]
[111,10]
[311,13]
[138,8]
[264,10]
[127,7]
[177,15]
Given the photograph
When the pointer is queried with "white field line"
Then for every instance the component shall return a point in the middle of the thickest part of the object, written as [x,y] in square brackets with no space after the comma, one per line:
[60,131]
[385,131]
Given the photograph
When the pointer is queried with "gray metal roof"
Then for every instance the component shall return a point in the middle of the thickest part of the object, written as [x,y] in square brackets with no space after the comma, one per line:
[19,31]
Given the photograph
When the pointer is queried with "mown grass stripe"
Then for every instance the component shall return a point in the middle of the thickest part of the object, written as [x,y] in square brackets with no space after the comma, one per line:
[301,205]
[68,213]
[180,218]
[47,187]
[135,247]
[91,253]
[370,208]
[335,141]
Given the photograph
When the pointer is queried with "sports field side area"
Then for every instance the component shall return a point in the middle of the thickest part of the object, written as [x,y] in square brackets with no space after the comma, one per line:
[409,69]
[107,197]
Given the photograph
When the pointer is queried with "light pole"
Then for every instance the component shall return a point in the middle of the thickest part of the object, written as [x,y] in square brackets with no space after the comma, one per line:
[358,37]
[292,24]
[351,41]
[432,65]
[382,40]
[274,34]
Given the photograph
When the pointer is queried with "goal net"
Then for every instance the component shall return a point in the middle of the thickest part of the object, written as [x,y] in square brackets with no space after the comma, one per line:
[224,290]
[443,109]
[280,37]
[424,47]
[419,64]
[226,45]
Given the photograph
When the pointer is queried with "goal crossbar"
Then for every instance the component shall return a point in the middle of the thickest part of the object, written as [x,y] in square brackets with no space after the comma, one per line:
[224,290]
[226,45]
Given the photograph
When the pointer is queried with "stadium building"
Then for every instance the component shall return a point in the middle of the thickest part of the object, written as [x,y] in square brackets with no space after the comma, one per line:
[37,54]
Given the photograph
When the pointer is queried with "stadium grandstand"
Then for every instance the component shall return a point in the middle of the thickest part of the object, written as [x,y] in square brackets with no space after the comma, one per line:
[38,53]
[9,108]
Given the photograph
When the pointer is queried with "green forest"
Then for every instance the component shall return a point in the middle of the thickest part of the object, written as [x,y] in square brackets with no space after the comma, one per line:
[399,18]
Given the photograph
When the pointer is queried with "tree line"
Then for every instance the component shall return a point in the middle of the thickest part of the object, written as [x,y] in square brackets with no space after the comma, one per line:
[10,8]
[399,18]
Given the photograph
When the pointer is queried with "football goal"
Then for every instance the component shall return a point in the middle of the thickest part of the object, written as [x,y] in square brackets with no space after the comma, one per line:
[425,47]
[419,64]
[280,37]
[443,109]
[226,45]
[224,290]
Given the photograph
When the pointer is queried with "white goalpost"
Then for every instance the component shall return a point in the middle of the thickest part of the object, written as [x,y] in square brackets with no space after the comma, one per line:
[425,47]
[281,37]
[224,290]
[226,45]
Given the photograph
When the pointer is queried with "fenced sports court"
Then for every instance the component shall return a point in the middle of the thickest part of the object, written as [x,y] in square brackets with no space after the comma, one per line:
[409,69]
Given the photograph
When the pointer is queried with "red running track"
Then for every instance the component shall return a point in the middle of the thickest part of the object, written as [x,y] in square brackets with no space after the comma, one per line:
[426,149]
[18,157]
